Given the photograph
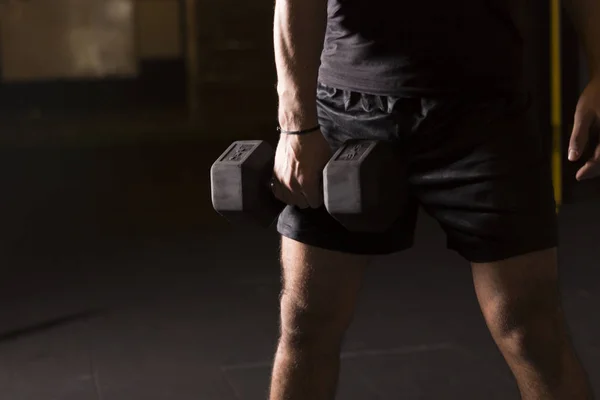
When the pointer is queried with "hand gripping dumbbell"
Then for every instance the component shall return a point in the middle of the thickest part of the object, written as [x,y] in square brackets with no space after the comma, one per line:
[363,185]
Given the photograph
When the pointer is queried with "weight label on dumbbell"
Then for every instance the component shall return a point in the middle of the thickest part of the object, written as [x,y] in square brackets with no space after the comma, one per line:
[238,153]
[353,152]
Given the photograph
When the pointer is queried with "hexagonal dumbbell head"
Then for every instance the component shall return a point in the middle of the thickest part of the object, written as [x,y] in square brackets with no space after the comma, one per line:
[240,183]
[365,186]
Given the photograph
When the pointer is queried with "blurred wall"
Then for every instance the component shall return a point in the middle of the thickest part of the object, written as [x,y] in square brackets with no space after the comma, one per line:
[71,194]
[157,47]
[70,29]
[158,29]
[70,39]
[237,73]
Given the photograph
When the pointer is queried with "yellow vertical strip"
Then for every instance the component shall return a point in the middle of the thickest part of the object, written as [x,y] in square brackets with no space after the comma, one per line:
[556,97]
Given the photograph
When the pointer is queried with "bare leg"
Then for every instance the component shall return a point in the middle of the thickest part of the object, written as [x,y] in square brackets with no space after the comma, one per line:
[320,290]
[521,304]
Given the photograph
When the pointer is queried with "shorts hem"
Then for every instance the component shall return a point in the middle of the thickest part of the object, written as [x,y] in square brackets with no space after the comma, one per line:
[489,256]
[328,244]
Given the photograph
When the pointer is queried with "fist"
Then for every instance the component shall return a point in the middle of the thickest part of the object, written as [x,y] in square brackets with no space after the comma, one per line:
[298,170]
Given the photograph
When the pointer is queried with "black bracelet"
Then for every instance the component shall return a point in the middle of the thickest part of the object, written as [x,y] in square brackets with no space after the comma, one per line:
[302,132]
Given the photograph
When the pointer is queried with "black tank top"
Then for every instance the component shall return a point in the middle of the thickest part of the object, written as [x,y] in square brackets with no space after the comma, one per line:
[392,47]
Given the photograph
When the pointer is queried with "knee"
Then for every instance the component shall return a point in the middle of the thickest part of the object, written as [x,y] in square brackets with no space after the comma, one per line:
[319,327]
[533,332]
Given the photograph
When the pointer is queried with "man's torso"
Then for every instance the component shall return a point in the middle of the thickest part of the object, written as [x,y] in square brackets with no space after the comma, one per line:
[393,47]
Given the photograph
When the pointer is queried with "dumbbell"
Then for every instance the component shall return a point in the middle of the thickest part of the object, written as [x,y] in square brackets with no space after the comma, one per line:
[362,185]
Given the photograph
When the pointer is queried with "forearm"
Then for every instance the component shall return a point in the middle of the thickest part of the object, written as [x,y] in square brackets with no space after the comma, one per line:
[586,17]
[299,30]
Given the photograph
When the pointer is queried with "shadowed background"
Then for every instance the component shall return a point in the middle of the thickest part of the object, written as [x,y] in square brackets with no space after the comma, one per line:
[119,281]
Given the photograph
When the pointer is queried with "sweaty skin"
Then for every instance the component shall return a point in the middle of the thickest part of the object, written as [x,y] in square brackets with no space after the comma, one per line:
[299,31]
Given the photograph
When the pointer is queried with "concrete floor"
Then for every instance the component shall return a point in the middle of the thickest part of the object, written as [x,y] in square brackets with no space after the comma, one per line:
[95,313]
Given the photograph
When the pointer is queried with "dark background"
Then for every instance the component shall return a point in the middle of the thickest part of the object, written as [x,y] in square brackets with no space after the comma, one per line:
[119,281]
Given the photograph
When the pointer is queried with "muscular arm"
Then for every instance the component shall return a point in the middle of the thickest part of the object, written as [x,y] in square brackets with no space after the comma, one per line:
[586,17]
[299,31]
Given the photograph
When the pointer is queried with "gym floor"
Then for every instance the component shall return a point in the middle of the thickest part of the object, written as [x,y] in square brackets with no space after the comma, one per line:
[119,283]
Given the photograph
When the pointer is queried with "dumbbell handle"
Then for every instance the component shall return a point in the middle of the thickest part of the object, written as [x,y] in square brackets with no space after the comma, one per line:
[350,153]
[273,182]
[268,183]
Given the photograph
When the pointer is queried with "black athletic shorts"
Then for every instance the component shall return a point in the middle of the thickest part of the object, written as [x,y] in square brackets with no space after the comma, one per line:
[475,164]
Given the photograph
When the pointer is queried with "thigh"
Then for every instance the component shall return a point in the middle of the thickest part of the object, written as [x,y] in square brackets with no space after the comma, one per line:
[520,300]
[514,290]
[484,176]
[320,289]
